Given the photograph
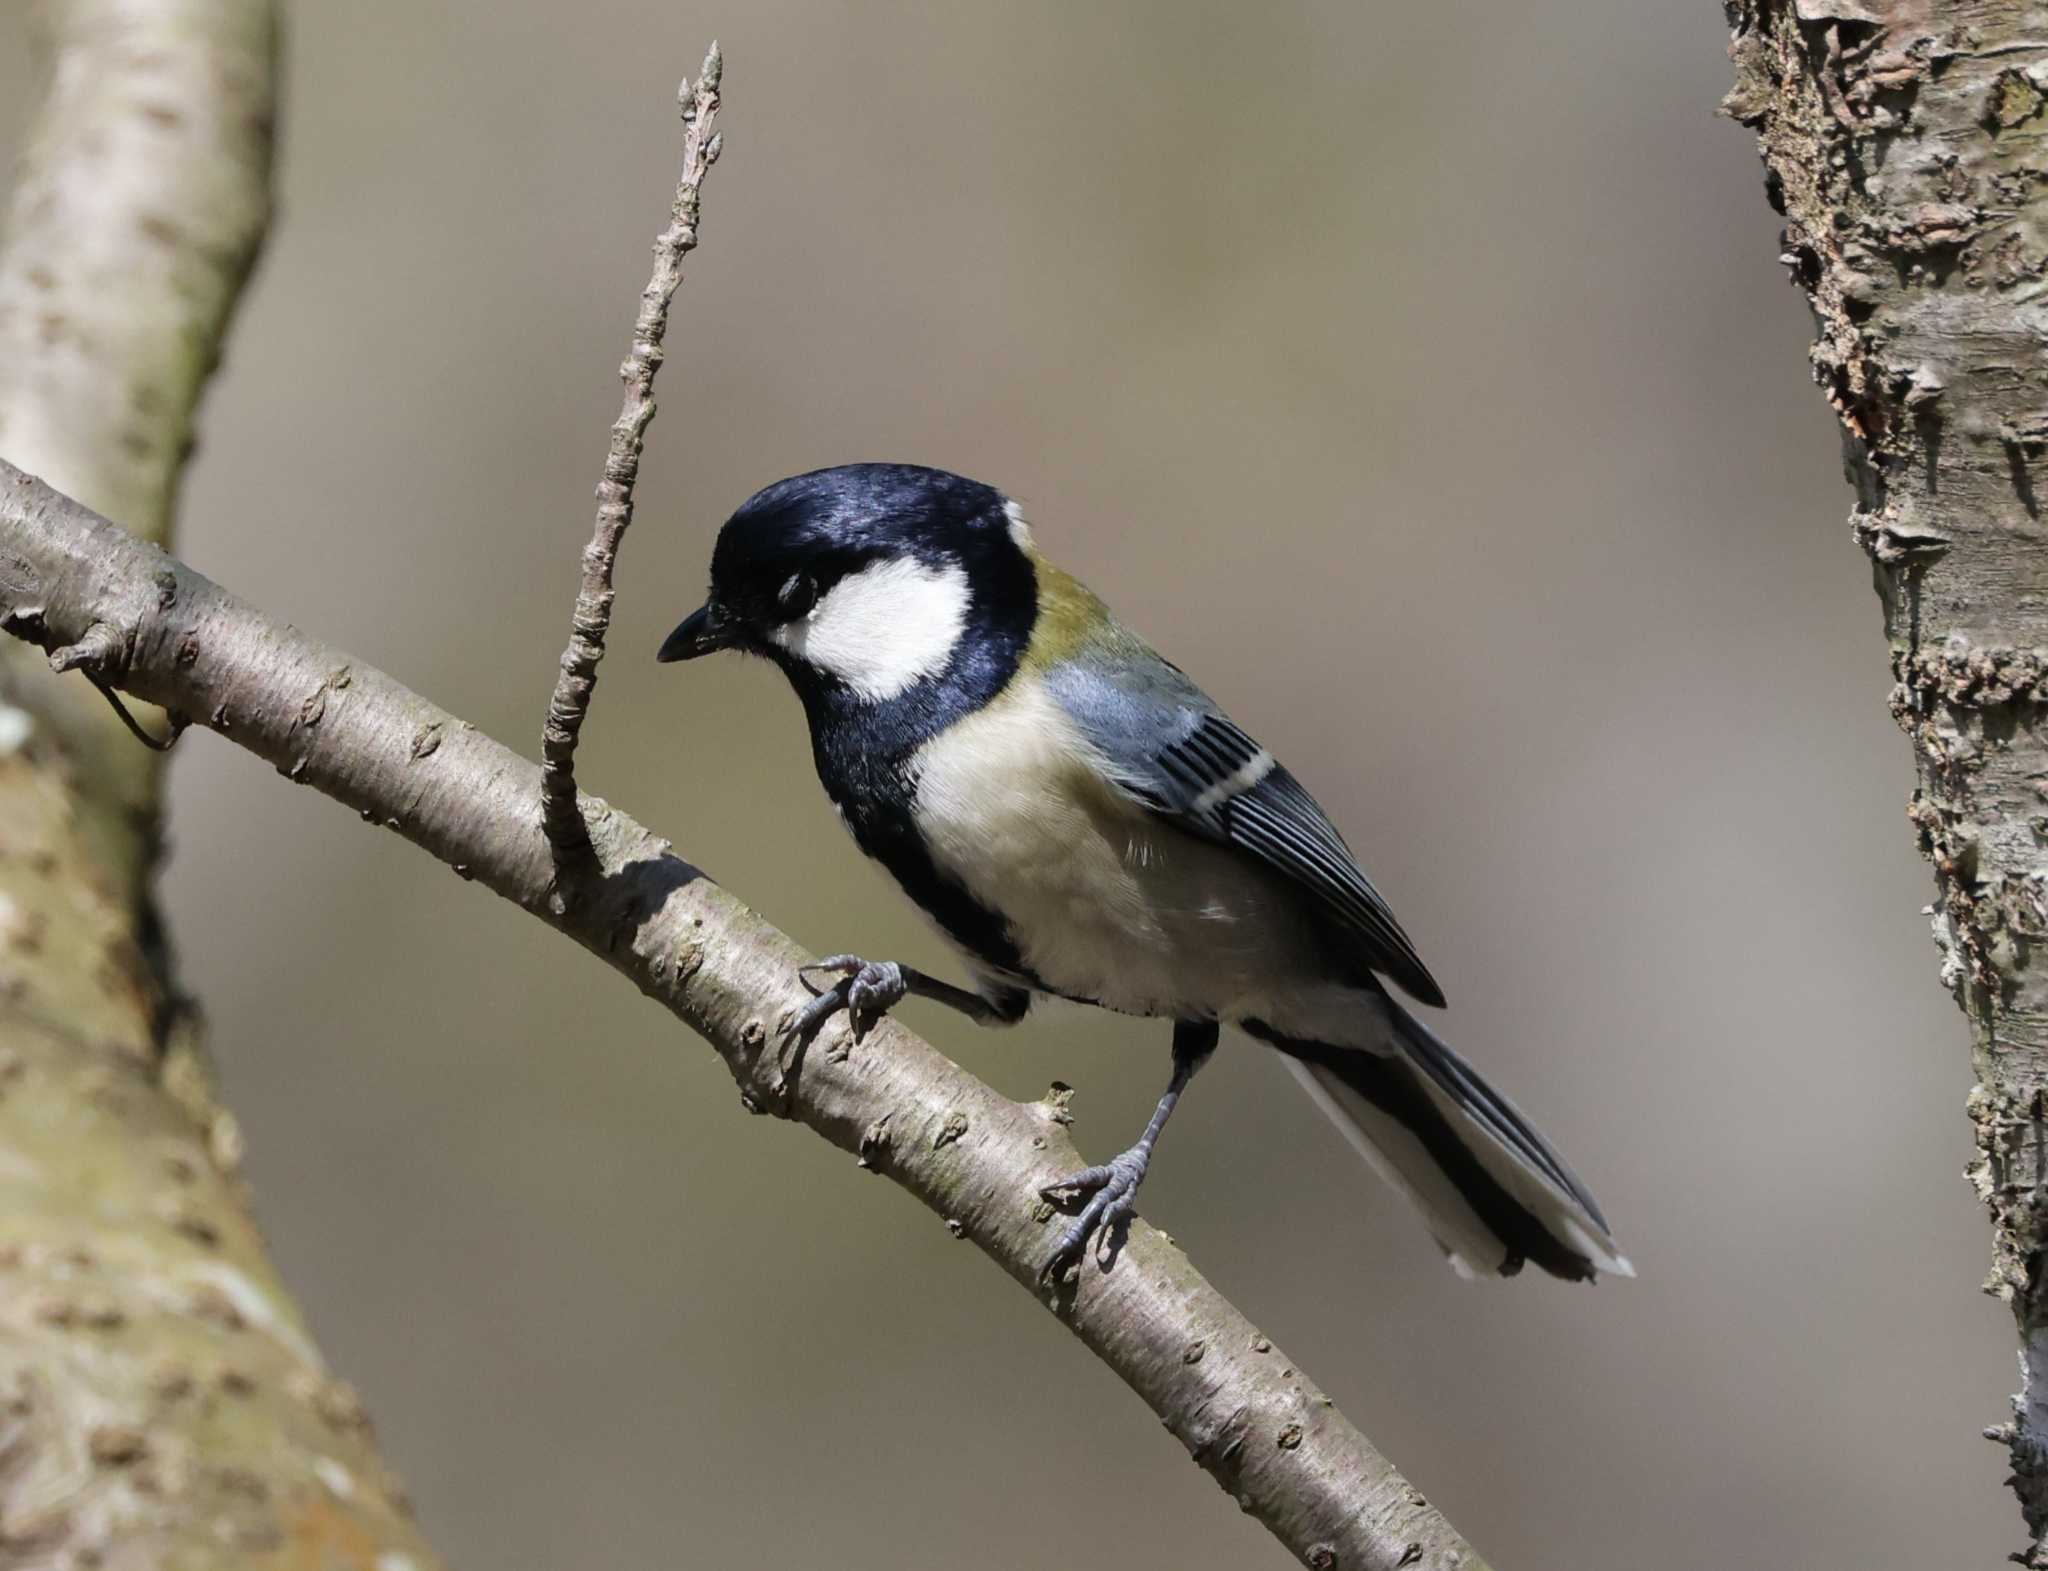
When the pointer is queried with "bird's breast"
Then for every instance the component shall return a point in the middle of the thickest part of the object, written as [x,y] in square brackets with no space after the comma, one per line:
[1102,900]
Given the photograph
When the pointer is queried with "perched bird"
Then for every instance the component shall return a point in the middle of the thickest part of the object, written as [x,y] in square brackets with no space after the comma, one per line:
[1080,820]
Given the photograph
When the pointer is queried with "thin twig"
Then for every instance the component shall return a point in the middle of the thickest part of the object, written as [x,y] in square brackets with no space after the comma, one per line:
[566,831]
[96,657]
[976,1158]
[155,744]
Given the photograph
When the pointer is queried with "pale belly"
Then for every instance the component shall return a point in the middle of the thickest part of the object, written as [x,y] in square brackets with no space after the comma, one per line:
[1105,902]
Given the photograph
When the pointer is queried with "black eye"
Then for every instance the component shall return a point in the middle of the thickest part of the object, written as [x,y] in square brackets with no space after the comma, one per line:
[798,595]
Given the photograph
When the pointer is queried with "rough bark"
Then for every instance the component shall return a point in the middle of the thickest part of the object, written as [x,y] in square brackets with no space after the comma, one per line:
[977,1159]
[161,1403]
[1905,142]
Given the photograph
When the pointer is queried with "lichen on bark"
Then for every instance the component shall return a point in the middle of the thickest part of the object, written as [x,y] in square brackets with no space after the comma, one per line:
[1905,144]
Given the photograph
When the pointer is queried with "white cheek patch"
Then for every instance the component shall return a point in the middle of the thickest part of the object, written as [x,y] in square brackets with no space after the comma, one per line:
[882,629]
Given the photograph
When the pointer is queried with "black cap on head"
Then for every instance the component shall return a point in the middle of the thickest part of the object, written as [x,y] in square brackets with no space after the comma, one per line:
[855,513]
[790,542]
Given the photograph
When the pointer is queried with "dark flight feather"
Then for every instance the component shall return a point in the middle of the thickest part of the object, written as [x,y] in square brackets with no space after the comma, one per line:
[1172,749]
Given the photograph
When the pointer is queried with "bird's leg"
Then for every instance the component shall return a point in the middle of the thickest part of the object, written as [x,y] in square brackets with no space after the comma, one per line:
[869,989]
[1113,1188]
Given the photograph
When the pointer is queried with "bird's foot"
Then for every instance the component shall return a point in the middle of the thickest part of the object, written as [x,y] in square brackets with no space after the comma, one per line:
[1112,1192]
[866,990]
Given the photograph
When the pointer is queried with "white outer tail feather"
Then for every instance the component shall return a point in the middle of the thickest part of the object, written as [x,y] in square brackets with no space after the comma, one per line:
[1397,1156]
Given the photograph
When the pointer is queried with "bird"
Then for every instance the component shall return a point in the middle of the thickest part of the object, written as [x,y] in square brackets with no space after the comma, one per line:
[1080,821]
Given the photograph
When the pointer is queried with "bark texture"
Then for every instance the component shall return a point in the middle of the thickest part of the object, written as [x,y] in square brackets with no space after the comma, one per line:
[1905,142]
[977,1159]
[161,1404]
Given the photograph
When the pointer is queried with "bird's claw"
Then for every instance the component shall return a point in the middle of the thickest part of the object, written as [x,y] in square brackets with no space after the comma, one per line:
[866,990]
[1112,1191]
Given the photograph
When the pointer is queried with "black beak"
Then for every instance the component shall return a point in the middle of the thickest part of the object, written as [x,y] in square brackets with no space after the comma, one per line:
[702,632]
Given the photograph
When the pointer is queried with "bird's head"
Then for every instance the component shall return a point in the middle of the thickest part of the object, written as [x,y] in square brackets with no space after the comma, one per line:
[868,578]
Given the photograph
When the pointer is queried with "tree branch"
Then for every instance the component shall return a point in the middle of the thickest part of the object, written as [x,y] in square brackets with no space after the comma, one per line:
[1903,141]
[593,615]
[977,1159]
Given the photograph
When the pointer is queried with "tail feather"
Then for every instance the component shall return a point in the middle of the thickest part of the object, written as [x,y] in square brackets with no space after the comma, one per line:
[1493,1191]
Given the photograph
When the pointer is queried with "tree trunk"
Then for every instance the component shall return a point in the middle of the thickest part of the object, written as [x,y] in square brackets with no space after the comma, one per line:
[161,1403]
[1904,142]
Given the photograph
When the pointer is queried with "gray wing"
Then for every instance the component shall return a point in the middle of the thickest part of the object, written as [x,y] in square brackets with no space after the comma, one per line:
[1172,749]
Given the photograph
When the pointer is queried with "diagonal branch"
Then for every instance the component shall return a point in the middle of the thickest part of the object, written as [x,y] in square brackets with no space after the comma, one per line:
[593,615]
[977,1159]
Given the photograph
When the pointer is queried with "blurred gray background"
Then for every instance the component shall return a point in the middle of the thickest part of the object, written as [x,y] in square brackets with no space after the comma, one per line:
[1422,379]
